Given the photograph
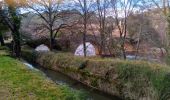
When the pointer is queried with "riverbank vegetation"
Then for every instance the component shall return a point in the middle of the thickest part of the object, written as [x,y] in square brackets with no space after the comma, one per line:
[127,79]
[19,82]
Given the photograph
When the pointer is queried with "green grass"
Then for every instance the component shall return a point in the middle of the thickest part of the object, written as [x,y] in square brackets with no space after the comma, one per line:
[20,83]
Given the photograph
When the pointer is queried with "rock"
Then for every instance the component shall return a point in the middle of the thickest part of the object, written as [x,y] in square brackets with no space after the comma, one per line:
[42,48]
[90,50]
[157,53]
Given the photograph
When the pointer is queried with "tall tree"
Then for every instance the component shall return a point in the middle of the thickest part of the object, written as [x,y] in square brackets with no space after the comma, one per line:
[102,6]
[9,13]
[164,7]
[85,7]
[121,10]
[49,12]
[3,28]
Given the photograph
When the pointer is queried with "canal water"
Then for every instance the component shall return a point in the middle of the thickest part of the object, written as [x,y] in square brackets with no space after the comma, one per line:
[62,79]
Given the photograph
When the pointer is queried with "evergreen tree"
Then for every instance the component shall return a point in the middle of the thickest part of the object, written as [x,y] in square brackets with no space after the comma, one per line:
[10,16]
[3,28]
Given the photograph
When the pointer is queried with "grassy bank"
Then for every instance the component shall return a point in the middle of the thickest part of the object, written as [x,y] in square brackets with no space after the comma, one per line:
[18,82]
[136,80]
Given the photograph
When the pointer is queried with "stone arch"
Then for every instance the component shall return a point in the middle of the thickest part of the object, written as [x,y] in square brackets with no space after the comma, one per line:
[96,46]
[92,49]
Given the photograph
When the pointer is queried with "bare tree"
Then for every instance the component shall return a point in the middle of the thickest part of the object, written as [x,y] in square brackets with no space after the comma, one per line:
[164,7]
[50,12]
[84,6]
[102,7]
[137,29]
[121,11]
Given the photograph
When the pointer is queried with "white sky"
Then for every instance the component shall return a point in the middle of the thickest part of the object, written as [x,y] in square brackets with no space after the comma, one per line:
[109,11]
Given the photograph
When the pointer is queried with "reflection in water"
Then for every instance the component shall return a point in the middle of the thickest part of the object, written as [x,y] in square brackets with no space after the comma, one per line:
[62,79]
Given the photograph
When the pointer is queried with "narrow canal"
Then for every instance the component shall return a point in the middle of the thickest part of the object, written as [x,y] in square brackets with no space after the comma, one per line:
[62,79]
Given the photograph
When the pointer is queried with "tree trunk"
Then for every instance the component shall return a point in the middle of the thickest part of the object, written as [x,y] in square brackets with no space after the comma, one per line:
[124,37]
[84,41]
[138,43]
[17,44]
[51,44]
[137,49]
[2,40]
[51,40]
[18,48]
[85,29]
[123,51]
[101,38]
[102,43]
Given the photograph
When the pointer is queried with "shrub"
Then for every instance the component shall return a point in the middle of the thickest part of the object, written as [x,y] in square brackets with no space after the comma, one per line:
[4,51]
[4,48]
[29,54]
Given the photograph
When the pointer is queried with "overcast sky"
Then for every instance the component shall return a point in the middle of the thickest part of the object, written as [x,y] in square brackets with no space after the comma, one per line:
[109,11]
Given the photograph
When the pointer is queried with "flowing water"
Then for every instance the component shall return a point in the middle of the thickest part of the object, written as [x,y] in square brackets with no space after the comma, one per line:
[62,79]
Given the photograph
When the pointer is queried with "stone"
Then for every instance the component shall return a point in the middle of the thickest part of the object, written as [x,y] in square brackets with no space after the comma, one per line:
[90,50]
[158,52]
[42,48]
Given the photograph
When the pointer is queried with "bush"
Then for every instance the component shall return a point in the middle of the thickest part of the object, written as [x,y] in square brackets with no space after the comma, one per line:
[4,51]
[128,79]
[29,54]
[4,48]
